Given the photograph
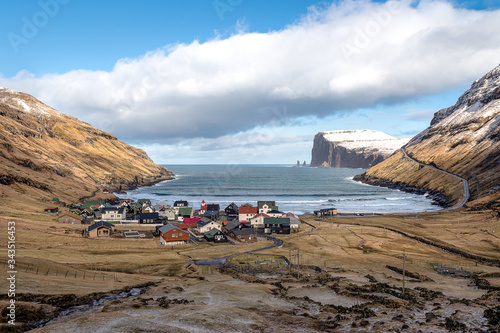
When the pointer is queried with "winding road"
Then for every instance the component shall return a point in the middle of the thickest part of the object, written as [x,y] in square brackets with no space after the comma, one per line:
[278,242]
[465,182]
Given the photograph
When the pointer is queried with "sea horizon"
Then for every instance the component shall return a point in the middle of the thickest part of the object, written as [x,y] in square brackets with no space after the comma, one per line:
[301,190]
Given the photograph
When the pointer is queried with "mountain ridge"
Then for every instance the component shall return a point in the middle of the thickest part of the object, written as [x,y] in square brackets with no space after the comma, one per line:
[463,139]
[46,153]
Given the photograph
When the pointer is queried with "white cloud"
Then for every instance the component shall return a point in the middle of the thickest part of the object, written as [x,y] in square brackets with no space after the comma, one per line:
[341,57]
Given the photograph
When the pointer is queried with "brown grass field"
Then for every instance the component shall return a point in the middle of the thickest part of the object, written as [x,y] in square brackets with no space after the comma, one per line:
[54,259]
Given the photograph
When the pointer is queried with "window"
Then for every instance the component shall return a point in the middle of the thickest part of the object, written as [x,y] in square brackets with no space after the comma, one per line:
[103,232]
[174,235]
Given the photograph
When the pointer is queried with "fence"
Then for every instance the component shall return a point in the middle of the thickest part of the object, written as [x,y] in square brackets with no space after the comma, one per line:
[97,274]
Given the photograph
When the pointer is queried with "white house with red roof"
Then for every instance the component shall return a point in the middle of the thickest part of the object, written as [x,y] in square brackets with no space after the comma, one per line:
[258,220]
[246,213]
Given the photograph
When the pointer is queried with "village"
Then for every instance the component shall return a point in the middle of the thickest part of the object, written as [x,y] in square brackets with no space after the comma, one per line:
[179,223]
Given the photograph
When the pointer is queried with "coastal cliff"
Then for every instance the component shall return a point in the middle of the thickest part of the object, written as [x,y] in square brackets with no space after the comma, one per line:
[463,139]
[45,153]
[353,149]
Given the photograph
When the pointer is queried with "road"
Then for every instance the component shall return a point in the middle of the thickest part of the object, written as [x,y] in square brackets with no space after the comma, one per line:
[465,182]
[222,261]
[278,242]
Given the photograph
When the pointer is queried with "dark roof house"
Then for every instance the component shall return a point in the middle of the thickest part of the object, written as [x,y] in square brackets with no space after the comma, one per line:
[231,210]
[149,218]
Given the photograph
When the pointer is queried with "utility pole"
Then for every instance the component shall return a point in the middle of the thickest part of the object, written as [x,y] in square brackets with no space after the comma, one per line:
[404,271]
[294,257]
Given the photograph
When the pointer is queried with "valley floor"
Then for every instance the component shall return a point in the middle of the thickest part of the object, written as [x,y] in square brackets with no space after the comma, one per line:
[348,278]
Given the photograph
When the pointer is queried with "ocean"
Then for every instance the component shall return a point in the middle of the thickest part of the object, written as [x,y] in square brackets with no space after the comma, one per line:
[295,189]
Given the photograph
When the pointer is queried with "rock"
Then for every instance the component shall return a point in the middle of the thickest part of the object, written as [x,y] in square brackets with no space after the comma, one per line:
[493,315]
[454,325]
[429,316]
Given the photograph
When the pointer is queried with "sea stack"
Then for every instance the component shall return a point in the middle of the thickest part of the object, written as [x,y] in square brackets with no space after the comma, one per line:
[353,148]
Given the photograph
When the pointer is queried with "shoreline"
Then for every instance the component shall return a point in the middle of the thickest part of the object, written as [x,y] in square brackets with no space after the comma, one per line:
[433,201]
[438,198]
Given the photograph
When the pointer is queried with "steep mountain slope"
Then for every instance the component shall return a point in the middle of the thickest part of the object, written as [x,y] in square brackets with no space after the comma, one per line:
[463,139]
[353,149]
[45,153]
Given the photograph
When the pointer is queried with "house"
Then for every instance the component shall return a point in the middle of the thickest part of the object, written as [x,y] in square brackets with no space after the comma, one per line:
[101,229]
[185,212]
[181,203]
[70,218]
[325,212]
[186,226]
[266,206]
[192,220]
[178,204]
[144,202]
[125,202]
[257,222]
[231,210]
[234,224]
[212,212]
[215,235]
[203,208]
[162,208]
[246,213]
[149,218]
[172,235]
[295,222]
[169,214]
[147,209]
[205,225]
[113,214]
[51,210]
[274,225]
[245,235]
[274,213]
[161,205]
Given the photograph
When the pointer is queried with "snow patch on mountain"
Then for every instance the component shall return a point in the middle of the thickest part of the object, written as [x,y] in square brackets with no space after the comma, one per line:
[365,139]
[26,103]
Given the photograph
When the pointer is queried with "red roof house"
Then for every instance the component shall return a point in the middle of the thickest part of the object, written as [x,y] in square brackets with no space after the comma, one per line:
[185,226]
[246,213]
[192,220]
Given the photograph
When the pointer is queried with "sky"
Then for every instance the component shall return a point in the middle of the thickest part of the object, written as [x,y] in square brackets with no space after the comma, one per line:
[243,82]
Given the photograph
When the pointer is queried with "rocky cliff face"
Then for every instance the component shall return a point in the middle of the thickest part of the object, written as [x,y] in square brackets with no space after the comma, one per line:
[45,153]
[463,139]
[353,149]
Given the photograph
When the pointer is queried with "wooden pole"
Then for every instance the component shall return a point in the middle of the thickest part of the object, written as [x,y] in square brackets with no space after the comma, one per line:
[404,270]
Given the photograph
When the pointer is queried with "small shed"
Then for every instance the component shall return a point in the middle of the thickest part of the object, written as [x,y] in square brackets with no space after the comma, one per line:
[70,218]
[51,210]
[326,212]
